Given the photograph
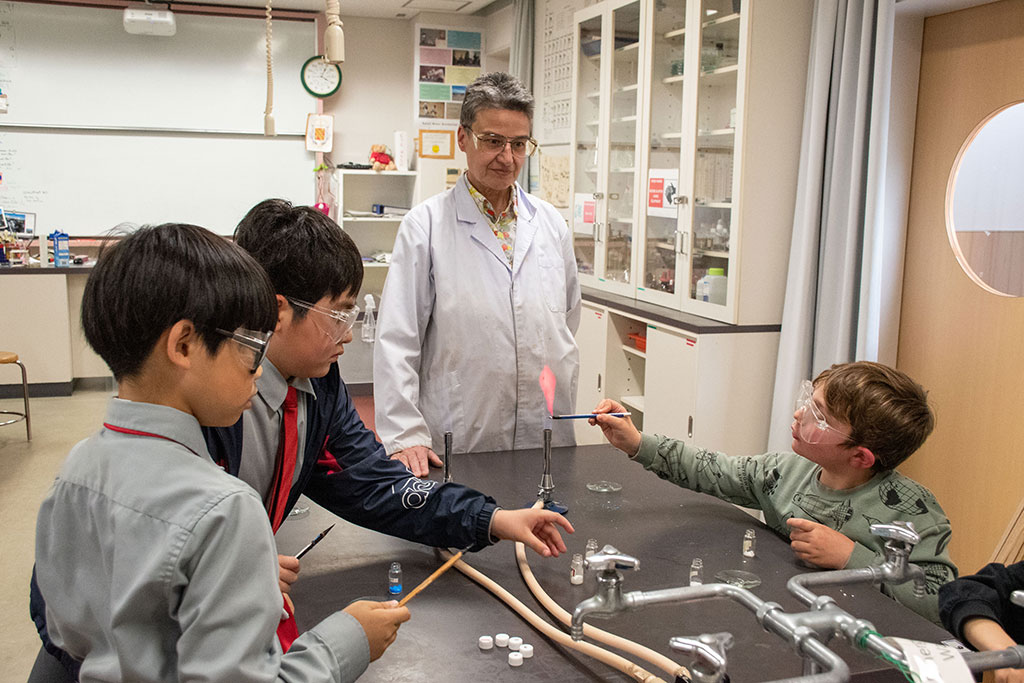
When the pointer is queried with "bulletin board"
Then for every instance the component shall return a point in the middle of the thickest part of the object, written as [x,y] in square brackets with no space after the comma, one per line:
[447,60]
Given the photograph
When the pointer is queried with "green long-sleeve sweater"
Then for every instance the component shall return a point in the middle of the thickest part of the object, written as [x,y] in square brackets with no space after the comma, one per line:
[785,485]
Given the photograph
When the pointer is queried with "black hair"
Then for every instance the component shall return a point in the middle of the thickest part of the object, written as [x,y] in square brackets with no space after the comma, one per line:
[306,254]
[158,275]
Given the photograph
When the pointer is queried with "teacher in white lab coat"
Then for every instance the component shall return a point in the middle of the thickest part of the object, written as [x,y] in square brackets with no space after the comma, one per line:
[481,294]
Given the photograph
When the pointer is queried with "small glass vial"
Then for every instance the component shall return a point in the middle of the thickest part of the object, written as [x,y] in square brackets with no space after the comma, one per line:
[749,542]
[592,547]
[697,572]
[576,570]
[395,579]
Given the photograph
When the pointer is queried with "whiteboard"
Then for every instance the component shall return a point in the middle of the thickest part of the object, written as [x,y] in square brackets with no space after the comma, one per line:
[76,66]
[86,182]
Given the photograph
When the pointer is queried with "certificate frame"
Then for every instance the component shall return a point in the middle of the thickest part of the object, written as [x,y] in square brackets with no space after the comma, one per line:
[436,143]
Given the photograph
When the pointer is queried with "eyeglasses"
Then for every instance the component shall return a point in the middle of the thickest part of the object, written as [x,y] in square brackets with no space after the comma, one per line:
[813,424]
[338,323]
[493,143]
[251,346]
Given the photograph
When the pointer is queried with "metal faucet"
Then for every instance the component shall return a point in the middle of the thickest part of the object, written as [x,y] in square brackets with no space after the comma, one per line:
[608,600]
[447,457]
[707,651]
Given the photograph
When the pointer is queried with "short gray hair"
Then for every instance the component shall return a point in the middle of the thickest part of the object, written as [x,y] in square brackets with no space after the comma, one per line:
[495,90]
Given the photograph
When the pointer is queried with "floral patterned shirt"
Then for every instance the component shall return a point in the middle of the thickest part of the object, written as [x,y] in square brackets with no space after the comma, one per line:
[503,224]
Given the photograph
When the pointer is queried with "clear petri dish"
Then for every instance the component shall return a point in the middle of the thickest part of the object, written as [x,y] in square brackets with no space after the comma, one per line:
[738,577]
[604,486]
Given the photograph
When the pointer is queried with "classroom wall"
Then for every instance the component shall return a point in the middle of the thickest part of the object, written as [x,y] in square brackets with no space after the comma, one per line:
[377,92]
[959,341]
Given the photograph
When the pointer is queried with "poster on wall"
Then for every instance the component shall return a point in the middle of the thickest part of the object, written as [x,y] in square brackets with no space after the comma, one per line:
[584,213]
[447,60]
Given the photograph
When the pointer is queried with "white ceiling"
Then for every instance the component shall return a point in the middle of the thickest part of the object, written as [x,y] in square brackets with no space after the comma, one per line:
[389,9]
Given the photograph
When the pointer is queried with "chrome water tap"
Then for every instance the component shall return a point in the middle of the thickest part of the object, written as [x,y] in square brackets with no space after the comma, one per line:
[901,537]
[608,599]
[707,651]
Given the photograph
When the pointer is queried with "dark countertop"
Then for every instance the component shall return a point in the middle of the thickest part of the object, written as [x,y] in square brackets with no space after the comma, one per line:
[47,270]
[685,321]
[664,526]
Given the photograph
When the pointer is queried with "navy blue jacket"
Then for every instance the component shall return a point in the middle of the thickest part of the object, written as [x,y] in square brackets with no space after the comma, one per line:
[345,470]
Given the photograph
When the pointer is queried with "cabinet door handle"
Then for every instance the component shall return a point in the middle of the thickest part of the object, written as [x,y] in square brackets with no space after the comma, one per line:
[681,199]
[599,195]
[682,241]
[599,381]
[613,196]
[689,428]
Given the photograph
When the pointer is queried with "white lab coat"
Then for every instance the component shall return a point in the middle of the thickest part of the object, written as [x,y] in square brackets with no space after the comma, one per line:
[462,337]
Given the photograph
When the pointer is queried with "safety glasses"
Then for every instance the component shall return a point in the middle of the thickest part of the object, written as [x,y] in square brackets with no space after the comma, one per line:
[334,324]
[813,424]
[493,143]
[250,345]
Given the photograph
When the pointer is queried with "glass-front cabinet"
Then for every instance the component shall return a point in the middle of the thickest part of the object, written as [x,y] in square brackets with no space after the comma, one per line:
[606,178]
[691,156]
[665,189]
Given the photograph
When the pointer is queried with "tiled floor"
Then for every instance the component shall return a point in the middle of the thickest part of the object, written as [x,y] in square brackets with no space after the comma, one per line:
[26,471]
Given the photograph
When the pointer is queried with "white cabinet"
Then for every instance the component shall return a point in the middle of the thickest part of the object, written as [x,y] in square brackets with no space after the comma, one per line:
[708,384]
[357,192]
[713,158]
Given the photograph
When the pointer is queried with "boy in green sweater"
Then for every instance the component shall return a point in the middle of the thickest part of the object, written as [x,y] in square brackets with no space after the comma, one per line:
[852,426]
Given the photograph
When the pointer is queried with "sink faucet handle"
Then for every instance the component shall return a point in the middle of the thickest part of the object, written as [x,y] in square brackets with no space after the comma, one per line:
[902,532]
[609,559]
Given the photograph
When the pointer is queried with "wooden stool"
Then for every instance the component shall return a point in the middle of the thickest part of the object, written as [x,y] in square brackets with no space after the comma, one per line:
[6,357]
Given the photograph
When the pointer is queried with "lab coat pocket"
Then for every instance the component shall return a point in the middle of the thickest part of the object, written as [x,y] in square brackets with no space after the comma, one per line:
[552,283]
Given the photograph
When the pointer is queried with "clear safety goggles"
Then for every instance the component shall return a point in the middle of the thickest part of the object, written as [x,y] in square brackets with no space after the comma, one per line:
[250,345]
[812,422]
[334,324]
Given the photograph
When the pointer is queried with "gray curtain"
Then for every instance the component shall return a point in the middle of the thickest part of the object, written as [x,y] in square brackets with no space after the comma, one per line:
[833,291]
[520,60]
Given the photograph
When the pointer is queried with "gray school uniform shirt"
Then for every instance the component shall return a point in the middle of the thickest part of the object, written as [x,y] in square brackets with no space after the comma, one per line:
[158,566]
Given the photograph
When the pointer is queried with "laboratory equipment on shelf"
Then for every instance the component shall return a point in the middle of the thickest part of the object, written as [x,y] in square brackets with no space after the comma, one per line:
[807,632]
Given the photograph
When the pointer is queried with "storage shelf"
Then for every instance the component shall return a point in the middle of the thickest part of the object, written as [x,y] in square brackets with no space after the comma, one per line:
[677,33]
[625,119]
[370,171]
[375,264]
[724,75]
[714,205]
[629,48]
[711,253]
[721,20]
[633,350]
[633,402]
[678,78]
[629,169]
[367,219]
[717,132]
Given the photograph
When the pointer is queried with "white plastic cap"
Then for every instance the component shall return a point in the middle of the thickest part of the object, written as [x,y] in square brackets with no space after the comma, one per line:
[501,640]
[526,650]
[515,659]
[485,642]
[514,643]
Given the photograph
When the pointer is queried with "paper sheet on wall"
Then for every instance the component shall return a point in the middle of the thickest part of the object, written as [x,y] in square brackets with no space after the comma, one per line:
[584,213]
[554,178]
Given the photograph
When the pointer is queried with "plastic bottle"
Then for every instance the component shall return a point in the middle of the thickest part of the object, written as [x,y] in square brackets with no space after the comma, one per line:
[697,572]
[576,570]
[713,287]
[720,235]
[369,331]
[749,543]
[395,579]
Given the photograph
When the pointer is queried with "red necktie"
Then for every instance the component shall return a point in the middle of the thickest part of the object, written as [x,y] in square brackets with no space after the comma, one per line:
[284,469]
